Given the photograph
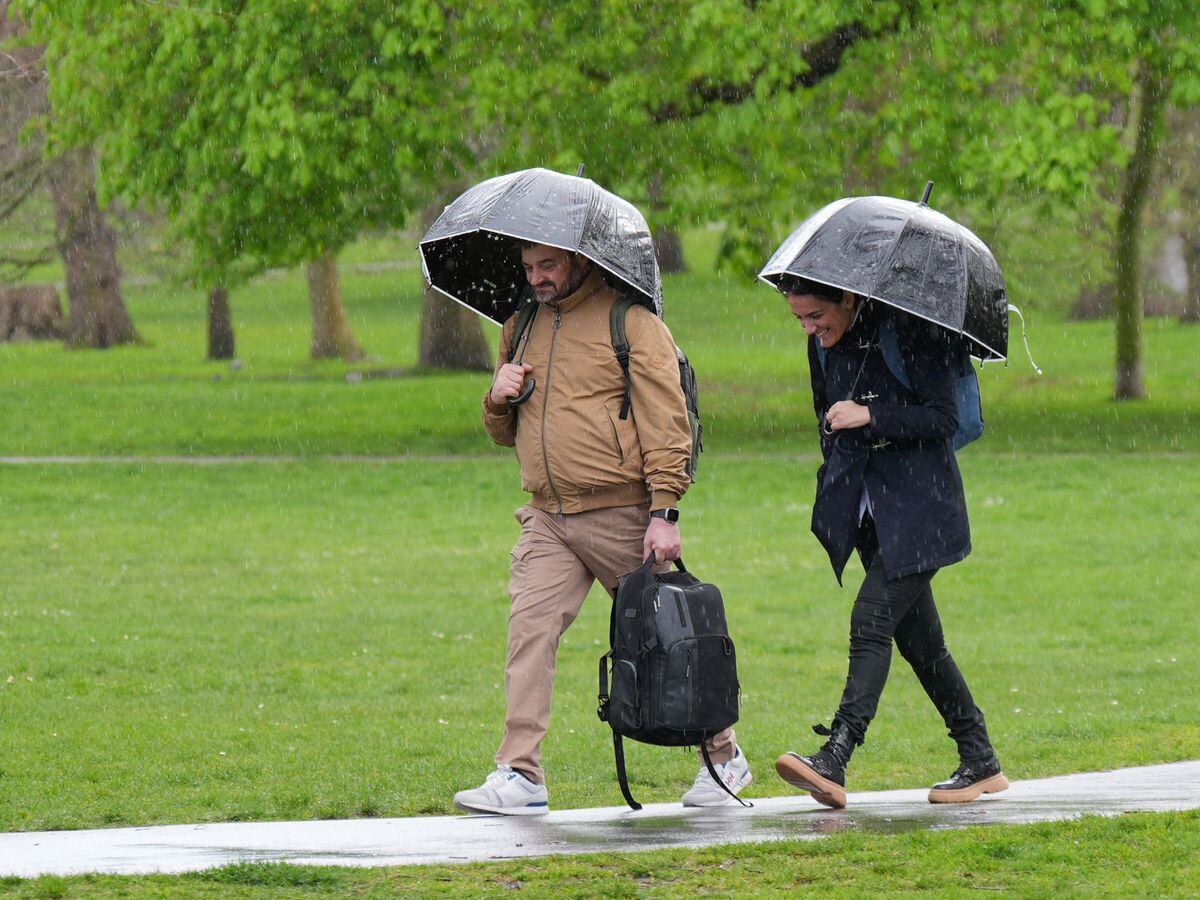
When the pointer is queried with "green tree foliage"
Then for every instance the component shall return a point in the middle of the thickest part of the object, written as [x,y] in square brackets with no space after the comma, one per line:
[758,113]
[694,110]
[273,131]
[269,132]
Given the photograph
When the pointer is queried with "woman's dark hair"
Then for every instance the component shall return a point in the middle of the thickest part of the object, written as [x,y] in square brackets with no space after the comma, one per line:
[794,284]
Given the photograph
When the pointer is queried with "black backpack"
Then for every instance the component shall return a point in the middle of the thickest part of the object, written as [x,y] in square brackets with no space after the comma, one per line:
[673,666]
[620,343]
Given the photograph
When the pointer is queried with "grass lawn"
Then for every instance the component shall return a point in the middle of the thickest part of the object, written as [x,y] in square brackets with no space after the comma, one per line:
[1134,855]
[318,638]
[275,641]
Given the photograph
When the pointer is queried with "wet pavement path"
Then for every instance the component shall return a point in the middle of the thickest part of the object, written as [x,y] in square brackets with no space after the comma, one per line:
[453,839]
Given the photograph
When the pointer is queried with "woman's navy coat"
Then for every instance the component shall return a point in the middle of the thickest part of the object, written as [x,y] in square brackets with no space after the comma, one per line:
[903,456]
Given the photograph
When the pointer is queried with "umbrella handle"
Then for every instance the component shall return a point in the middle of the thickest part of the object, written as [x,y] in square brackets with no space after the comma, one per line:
[525,394]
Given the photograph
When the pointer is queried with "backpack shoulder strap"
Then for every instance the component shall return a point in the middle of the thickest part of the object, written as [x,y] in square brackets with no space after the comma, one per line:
[620,342]
[524,317]
[622,777]
[712,772]
[889,348]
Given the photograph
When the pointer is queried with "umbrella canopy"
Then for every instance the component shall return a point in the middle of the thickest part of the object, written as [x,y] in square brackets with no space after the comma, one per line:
[472,255]
[908,256]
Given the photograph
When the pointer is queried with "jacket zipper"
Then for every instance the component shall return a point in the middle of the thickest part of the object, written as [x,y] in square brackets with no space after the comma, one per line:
[546,404]
[616,439]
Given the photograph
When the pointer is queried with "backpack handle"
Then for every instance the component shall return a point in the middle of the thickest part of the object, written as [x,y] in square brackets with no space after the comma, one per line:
[648,565]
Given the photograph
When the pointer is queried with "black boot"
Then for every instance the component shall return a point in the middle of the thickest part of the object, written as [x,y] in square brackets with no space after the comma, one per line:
[970,780]
[824,773]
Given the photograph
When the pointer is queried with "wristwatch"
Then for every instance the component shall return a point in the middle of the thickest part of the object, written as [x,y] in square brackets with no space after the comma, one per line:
[671,514]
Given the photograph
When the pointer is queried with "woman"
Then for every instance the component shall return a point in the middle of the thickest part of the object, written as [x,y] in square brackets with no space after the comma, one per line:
[890,489]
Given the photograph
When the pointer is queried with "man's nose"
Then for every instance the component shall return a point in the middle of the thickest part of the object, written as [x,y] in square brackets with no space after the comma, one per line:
[809,327]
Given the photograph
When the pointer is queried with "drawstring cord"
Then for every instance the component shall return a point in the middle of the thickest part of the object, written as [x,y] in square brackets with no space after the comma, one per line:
[1024,337]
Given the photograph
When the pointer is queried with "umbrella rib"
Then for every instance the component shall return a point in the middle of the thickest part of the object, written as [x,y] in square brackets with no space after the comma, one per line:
[925,269]
[477,312]
[874,294]
[887,262]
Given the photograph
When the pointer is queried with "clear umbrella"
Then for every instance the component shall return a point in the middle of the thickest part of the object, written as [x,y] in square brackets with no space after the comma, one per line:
[908,256]
[471,253]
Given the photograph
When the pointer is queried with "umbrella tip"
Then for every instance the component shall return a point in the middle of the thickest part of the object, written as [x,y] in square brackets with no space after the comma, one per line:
[579,174]
[928,191]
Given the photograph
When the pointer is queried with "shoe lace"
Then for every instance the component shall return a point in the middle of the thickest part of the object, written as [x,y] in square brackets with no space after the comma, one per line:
[703,778]
[967,769]
[498,777]
[825,731]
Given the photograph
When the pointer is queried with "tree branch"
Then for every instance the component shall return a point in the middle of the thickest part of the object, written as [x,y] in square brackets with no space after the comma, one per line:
[12,66]
[7,208]
[14,269]
[822,58]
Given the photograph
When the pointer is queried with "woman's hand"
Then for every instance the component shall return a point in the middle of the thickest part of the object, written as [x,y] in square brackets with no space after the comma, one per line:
[847,414]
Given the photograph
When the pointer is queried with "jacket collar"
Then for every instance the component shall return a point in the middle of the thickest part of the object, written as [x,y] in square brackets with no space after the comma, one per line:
[593,284]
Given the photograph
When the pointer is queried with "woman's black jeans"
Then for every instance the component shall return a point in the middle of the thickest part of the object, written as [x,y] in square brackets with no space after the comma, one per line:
[903,610]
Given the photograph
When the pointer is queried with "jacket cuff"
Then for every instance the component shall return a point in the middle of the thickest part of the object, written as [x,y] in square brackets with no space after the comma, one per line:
[663,500]
[870,429]
[502,409]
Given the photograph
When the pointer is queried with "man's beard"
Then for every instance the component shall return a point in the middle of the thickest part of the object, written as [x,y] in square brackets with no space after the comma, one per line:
[575,280]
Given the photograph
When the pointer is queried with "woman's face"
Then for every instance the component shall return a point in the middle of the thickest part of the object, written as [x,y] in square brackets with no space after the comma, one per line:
[827,319]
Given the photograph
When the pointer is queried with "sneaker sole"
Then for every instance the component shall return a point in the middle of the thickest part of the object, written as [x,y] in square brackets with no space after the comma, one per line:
[993,785]
[801,775]
[505,810]
[724,799]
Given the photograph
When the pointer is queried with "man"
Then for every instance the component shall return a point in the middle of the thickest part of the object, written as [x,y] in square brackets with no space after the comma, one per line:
[604,494]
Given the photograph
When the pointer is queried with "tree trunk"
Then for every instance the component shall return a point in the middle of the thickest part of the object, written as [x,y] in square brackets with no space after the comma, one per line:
[669,250]
[667,245]
[97,316]
[331,335]
[451,335]
[1191,256]
[1189,210]
[1129,385]
[220,324]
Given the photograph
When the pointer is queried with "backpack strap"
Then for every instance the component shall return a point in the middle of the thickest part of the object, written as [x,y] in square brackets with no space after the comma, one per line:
[620,342]
[525,314]
[622,778]
[712,773]
[602,699]
[889,349]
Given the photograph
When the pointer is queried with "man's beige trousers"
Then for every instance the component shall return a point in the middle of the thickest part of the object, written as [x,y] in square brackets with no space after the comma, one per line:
[555,562]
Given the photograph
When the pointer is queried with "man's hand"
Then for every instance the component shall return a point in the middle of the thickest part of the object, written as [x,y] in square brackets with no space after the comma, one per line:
[508,381]
[847,414]
[662,538]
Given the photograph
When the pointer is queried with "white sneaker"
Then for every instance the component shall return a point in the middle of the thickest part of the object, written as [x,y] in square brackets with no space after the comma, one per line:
[506,792]
[706,792]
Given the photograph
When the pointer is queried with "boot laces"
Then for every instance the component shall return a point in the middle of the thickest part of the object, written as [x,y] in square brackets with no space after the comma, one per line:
[832,747]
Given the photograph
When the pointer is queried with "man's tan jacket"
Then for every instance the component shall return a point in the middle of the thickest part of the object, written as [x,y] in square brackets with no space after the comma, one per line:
[575,451]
